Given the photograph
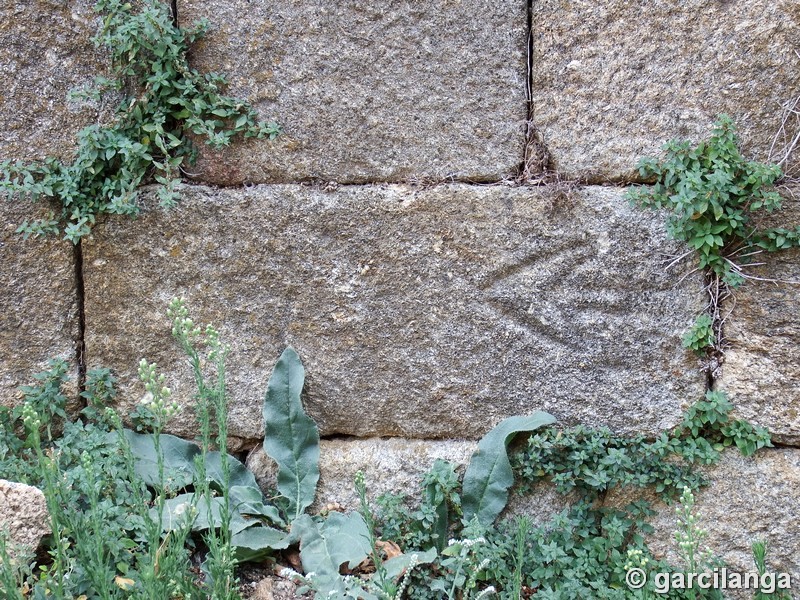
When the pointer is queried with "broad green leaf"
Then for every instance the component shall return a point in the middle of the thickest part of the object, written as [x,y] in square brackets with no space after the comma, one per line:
[489,475]
[179,462]
[249,501]
[179,456]
[324,548]
[187,506]
[255,543]
[292,437]
[238,473]
[441,524]
[397,565]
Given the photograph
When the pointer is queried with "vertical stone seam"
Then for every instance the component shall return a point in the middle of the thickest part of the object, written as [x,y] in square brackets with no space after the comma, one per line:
[529,60]
[528,85]
[719,294]
[80,346]
[173,6]
[536,165]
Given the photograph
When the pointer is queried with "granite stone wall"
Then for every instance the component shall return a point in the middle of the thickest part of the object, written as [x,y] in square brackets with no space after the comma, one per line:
[441,232]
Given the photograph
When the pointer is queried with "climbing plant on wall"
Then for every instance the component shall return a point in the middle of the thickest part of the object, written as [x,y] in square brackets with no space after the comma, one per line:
[164,106]
[713,197]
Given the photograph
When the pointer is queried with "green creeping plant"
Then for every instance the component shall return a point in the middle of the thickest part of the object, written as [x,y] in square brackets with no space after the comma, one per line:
[712,194]
[164,102]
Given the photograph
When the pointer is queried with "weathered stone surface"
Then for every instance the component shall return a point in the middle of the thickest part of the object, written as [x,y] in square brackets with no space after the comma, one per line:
[389,465]
[369,92]
[23,514]
[761,373]
[397,466]
[45,50]
[420,313]
[272,587]
[748,499]
[612,81]
[38,295]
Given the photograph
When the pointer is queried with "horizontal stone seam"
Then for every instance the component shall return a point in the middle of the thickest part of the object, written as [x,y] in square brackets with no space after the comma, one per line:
[509,179]
[550,180]
[787,446]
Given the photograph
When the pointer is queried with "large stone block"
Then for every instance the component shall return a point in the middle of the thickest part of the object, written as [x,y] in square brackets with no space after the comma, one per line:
[39,316]
[369,91]
[614,80]
[761,372]
[45,51]
[397,466]
[429,313]
[389,466]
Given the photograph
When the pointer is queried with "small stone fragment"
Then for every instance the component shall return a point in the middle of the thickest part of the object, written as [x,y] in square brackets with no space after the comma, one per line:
[23,514]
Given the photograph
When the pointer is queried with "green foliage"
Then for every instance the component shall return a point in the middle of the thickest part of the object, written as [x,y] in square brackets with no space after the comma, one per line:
[709,420]
[164,103]
[130,509]
[46,403]
[701,335]
[583,551]
[13,571]
[327,545]
[392,576]
[206,355]
[441,501]
[690,539]
[489,474]
[712,193]
[462,562]
[180,471]
[98,507]
[423,527]
[125,504]
[579,553]
[292,437]
[591,461]
[759,549]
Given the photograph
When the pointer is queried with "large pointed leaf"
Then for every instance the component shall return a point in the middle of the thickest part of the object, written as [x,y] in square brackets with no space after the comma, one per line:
[187,506]
[441,470]
[248,500]
[489,475]
[292,437]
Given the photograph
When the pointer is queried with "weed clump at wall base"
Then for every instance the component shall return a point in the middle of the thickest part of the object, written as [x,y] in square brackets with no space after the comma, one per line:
[145,515]
[164,101]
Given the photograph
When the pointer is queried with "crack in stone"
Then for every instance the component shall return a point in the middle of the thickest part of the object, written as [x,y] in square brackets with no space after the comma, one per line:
[536,162]
[80,346]
[554,182]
